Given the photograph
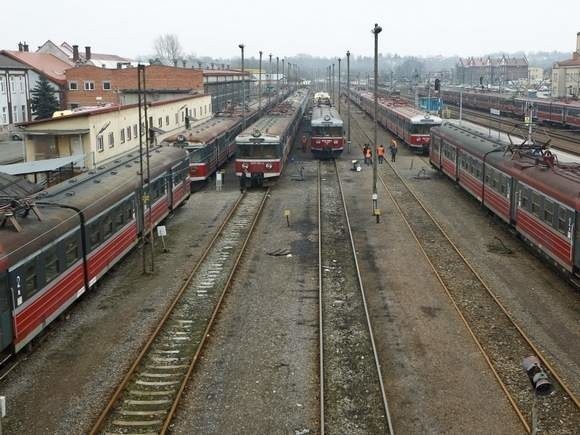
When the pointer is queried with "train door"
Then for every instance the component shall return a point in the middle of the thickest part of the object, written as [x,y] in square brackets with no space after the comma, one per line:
[5,312]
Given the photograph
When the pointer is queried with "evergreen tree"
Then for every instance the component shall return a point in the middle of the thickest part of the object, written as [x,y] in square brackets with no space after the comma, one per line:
[43,102]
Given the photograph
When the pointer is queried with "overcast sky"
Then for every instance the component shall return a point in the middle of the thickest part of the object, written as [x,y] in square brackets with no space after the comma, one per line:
[288,27]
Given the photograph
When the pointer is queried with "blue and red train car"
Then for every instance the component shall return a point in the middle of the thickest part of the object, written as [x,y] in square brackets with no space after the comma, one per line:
[326,132]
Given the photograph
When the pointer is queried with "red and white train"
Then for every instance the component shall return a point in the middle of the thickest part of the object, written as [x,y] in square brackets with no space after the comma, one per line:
[326,132]
[88,224]
[212,143]
[262,149]
[534,193]
[410,124]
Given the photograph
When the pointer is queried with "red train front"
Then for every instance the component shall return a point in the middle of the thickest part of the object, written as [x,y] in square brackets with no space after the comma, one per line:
[327,132]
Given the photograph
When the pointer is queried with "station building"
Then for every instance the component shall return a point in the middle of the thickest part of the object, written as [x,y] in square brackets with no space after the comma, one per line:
[566,75]
[225,85]
[87,138]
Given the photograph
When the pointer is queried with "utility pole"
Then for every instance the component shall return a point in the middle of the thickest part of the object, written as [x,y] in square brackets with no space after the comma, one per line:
[348,97]
[333,95]
[141,178]
[243,89]
[278,76]
[270,81]
[339,60]
[376,30]
[260,84]
[283,73]
[148,228]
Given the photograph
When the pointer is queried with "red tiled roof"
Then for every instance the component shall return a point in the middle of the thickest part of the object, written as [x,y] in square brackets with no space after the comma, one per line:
[569,62]
[43,63]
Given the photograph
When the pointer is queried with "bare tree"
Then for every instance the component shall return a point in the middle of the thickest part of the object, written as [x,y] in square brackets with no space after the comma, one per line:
[168,48]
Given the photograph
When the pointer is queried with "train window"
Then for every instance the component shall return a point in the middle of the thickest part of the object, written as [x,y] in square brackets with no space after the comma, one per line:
[535,204]
[524,199]
[548,215]
[129,210]
[119,213]
[94,235]
[71,250]
[563,217]
[107,226]
[503,184]
[51,264]
[30,278]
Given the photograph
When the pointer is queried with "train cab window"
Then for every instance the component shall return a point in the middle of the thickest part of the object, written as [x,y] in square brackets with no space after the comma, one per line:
[51,264]
[107,226]
[503,185]
[71,250]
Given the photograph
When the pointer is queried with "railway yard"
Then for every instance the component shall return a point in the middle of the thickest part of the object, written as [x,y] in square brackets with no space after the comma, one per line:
[292,309]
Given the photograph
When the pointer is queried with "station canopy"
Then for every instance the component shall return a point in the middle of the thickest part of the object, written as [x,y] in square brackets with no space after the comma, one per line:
[36,166]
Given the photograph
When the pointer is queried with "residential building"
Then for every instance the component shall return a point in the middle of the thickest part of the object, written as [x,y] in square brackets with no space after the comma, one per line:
[535,75]
[491,71]
[14,91]
[98,135]
[88,85]
[566,75]
[71,53]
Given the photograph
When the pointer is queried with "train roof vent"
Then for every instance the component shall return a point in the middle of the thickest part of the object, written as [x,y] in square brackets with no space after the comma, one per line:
[116,161]
[92,172]
[72,181]
[70,193]
[130,155]
[128,165]
[158,151]
[96,181]
[101,168]
[114,172]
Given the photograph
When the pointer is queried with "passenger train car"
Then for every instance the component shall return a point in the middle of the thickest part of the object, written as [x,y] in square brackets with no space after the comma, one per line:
[212,143]
[262,149]
[321,98]
[87,225]
[326,132]
[547,111]
[410,124]
[534,194]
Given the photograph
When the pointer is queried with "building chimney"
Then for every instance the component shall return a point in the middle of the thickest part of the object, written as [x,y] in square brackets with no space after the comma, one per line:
[25,46]
[20,46]
[75,53]
[578,43]
[87,53]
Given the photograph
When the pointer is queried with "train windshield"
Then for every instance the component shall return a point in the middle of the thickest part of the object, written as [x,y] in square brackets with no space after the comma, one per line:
[258,151]
[420,129]
[327,131]
[197,154]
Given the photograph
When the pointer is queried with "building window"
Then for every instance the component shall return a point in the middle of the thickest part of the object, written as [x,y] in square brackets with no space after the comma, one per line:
[111,140]
[106,86]
[2,86]
[15,114]
[167,120]
[176,118]
[128,133]
[160,122]
[100,144]
[23,113]
[89,85]
[135,131]
[74,105]
[21,80]
[4,120]
[122,135]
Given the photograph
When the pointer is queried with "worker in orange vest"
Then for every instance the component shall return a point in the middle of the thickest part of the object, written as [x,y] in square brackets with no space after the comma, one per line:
[368,156]
[381,153]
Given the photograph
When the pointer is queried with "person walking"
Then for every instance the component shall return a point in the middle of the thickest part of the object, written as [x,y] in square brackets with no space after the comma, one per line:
[381,154]
[365,147]
[393,149]
[243,181]
[369,156]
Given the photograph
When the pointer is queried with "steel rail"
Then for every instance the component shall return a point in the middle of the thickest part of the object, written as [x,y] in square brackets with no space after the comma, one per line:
[117,394]
[320,318]
[510,318]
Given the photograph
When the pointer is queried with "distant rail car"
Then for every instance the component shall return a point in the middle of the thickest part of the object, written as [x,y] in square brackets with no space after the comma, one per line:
[262,149]
[326,132]
[410,124]
[87,224]
[531,192]
[558,113]
[321,98]
[212,143]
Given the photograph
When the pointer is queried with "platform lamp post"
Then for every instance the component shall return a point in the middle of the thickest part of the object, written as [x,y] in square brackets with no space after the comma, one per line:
[278,76]
[242,46]
[333,94]
[376,30]
[283,73]
[348,98]
[260,83]
[339,60]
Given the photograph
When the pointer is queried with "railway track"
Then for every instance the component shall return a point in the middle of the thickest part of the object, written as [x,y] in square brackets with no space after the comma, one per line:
[147,397]
[352,394]
[500,339]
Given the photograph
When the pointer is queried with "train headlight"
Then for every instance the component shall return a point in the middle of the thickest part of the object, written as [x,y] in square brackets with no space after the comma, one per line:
[245,165]
[268,165]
